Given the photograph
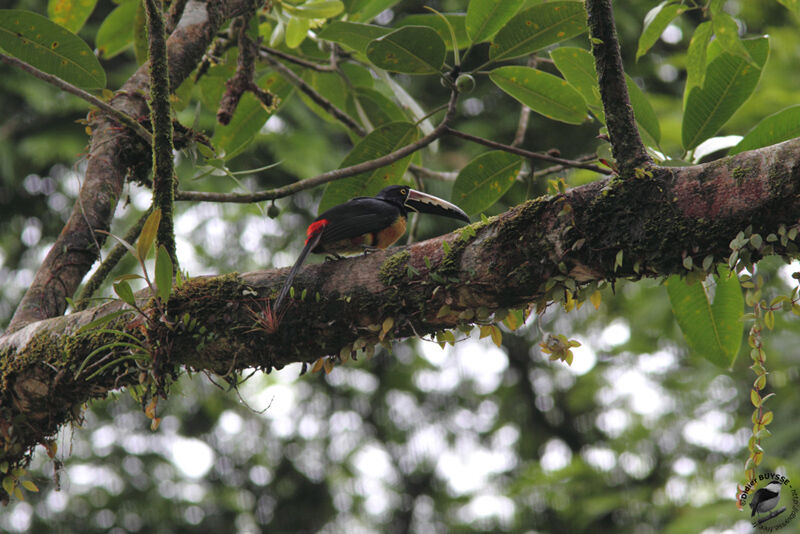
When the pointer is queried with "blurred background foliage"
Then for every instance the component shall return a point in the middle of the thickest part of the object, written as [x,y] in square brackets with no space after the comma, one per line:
[636,436]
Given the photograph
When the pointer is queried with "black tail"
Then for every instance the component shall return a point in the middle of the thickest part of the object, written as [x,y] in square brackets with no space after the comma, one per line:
[287,285]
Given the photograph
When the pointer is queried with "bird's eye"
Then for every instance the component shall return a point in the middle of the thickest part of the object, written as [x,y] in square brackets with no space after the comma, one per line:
[403,191]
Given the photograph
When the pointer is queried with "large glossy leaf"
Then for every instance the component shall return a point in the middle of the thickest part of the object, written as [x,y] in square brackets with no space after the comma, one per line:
[544,93]
[696,56]
[380,142]
[726,32]
[71,14]
[776,128]
[645,115]
[538,27]
[377,108]
[730,80]
[456,21]
[249,117]
[484,180]
[485,17]
[712,330]
[793,5]
[365,10]
[296,31]
[116,31]
[50,48]
[324,9]
[655,22]
[353,35]
[577,67]
[410,50]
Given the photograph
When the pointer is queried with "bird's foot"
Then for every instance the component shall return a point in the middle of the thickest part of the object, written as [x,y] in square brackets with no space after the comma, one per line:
[333,257]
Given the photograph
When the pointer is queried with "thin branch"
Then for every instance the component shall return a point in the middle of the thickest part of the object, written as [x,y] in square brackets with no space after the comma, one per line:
[442,176]
[525,153]
[298,60]
[127,120]
[320,100]
[163,164]
[108,264]
[626,144]
[330,176]
[175,13]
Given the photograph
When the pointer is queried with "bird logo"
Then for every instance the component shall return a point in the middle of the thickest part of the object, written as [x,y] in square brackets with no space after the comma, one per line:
[766,498]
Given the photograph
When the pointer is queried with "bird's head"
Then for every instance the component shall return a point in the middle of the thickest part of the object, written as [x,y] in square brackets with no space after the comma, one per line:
[414,200]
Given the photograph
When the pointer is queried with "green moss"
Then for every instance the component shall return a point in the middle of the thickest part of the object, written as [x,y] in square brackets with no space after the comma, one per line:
[394,268]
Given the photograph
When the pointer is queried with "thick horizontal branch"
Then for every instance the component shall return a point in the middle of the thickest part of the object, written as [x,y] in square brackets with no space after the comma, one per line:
[534,252]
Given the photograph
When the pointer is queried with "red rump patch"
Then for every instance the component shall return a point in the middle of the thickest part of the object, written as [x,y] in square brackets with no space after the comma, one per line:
[315,227]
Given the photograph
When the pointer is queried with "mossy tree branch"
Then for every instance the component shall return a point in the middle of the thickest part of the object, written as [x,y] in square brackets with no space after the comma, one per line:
[533,253]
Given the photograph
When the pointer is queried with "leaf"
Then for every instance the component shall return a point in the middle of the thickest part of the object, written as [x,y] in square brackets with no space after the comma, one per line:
[485,179]
[315,10]
[696,56]
[410,50]
[577,67]
[116,31]
[380,142]
[379,109]
[50,48]
[352,34]
[776,128]
[730,80]
[792,5]
[727,33]
[365,10]
[124,292]
[250,116]
[435,22]
[101,321]
[163,273]
[712,330]
[140,45]
[544,93]
[655,22]
[296,31]
[29,485]
[645,115]
[148,234]
[538,27]
[486,17]
[71,14]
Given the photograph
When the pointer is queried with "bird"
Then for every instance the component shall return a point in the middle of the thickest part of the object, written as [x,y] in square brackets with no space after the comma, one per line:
[365,223]
[766,498]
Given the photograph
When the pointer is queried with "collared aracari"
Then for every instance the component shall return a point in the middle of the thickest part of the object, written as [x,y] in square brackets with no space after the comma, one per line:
[366,223]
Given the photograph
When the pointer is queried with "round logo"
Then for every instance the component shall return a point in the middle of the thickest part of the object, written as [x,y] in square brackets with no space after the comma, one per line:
[772,502]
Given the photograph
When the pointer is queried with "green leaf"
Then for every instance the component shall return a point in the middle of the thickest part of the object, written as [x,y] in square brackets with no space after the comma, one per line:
[655,22]
[71,14]
[380,142]
[250,116]
[148,234]
[486,17]
[730,80]
[776,128]
[457,21]
[124,292]
[538,27]
[365,10]
[50,48]
[379,109]
[296,31]
[116,31]
[140,45]
[352,35]
[544,93]
[577,67]
[163,273]
[101,321]
[410,50]
[727,33]
[484,180]
[315,10]
[713,330]
[792,5]
[696,56]
[645,114]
